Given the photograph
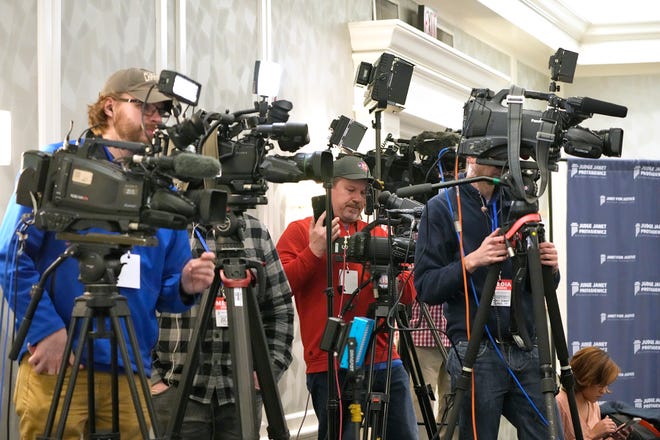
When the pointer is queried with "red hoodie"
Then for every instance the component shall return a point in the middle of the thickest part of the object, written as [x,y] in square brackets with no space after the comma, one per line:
[307,276]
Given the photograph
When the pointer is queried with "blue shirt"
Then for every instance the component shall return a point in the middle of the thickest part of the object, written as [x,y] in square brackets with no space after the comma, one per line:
[160,275]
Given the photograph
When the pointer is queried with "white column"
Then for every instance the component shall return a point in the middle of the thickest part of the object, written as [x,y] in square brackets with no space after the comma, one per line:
[49,51]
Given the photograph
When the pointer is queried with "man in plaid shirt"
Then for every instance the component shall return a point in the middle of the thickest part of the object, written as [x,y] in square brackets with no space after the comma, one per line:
[431,358]
[211,412]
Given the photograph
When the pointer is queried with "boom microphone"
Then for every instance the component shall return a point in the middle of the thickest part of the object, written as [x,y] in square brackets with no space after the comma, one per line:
[184,165]
[413,190]
[590,105]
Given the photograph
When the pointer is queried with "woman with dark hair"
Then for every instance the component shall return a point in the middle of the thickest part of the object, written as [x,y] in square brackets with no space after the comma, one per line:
[594,371]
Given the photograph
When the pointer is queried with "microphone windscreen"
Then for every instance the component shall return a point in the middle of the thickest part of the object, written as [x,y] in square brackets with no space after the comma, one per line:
[196,166]
[413,190]
[590,105]
[430,143]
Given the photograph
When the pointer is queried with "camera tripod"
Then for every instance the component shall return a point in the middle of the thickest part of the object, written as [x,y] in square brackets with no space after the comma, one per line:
[247,340]
[525,234]
[423,391]
[99,263]
[377,402]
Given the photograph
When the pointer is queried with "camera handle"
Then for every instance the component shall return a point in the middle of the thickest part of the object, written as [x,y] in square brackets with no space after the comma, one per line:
[543,295]
[36,293]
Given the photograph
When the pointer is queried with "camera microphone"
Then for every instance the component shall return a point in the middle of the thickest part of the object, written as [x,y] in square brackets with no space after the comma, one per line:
[182,165]
[430,143]
[591,106]
[369,205]
[398,205]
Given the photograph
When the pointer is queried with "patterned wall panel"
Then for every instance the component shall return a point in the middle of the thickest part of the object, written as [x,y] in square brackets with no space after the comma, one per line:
[18,81]
[222,45]
[99,38]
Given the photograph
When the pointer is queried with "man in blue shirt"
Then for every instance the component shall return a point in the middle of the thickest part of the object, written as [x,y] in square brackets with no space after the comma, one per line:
[164,277]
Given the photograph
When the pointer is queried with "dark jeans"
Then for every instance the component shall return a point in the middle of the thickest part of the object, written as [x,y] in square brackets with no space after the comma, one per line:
[200,421]
[496,394]
[401,420]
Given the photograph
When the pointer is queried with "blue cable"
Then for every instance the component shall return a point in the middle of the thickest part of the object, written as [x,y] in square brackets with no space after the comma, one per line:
[201,240]
[494,225]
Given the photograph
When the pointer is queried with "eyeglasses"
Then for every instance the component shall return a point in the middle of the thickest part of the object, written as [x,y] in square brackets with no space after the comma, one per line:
[148,109]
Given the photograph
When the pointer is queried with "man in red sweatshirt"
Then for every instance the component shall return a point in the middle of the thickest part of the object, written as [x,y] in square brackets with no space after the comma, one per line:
[302,250]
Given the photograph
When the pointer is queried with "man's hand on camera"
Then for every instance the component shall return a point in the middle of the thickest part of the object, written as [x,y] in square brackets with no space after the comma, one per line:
[317,234]
[198,273]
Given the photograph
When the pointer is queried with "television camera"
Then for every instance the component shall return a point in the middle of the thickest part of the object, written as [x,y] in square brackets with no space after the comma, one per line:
[75,188]
[485,118]
[242,141]
[498,131]
[394,250]
[416,160]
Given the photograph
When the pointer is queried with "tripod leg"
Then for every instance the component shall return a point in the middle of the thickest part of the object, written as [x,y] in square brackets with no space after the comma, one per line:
[277,427]
[464,380]
[146,390]
[561,347]
[378,402]
[237,296]
[423,391]
[60,378]
[545,364]
[192,358]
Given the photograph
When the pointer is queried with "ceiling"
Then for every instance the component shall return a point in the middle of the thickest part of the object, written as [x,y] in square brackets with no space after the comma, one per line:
[612,37]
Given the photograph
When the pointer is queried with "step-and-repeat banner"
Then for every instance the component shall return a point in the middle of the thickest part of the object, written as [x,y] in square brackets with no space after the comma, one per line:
[613,275]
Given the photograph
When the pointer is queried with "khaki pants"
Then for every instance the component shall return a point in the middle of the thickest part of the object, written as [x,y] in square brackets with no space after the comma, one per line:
[34,394]
[435,373]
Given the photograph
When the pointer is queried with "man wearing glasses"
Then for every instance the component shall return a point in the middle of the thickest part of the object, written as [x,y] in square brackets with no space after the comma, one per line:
[129,108]
[157,278]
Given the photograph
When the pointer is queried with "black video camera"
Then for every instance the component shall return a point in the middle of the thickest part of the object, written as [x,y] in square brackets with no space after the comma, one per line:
[485,127]
[498,131]
[416,160]
[75,188]
[242,140]
[398,213]
[362,247]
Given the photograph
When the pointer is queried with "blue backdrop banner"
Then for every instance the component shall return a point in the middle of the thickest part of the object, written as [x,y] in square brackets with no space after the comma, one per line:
[613,275]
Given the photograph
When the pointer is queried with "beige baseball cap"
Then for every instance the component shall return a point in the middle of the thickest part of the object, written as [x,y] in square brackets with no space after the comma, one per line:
[139,83]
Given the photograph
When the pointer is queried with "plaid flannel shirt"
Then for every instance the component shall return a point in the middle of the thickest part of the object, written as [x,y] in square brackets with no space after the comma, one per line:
[424,338]
[214,374]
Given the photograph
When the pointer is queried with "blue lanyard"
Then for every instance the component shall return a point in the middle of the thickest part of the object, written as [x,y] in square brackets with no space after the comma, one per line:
[493,212]
[201,240]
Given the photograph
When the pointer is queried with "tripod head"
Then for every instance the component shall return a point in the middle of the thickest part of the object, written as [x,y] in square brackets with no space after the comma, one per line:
[99,255]
[99,265]
[229,235]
